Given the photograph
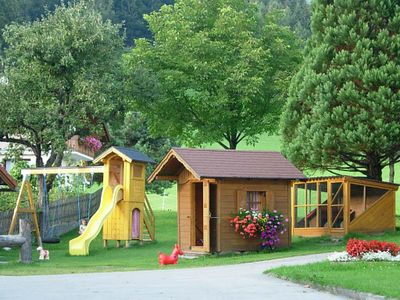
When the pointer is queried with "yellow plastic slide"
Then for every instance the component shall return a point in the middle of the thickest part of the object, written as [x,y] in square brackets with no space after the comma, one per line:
[80,245]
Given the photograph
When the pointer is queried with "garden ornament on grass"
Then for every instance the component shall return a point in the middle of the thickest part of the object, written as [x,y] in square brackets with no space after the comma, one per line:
[43,254]
[164,259]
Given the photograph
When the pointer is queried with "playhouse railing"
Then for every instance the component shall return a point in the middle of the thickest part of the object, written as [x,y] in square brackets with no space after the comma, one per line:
[149,219]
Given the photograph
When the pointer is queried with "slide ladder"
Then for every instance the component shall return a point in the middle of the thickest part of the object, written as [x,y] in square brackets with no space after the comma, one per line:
[109,198]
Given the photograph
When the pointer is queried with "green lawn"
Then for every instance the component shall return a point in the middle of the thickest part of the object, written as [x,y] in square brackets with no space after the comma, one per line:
[139,257]
[380,278]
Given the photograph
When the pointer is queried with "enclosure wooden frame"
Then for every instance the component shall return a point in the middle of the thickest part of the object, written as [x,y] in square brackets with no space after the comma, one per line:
[352,213]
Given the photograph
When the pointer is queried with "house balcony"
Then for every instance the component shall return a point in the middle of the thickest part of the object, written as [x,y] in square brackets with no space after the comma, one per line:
[78,150]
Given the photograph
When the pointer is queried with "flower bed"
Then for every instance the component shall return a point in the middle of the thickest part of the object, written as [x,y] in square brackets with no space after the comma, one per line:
[368,251]
[265,225]
[92,143]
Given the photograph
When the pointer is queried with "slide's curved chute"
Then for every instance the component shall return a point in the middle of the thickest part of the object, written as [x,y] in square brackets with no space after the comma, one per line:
[109,198]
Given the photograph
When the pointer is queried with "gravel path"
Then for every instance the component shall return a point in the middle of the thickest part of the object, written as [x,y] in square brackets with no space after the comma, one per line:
[243,281]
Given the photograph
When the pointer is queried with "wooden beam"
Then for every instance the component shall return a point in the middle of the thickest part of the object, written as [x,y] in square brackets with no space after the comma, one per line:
[25,210]
[206,216]
[63,170]
[171,154]
[167,177]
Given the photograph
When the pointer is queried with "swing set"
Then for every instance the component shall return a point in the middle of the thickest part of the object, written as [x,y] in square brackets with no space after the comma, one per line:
[124,213]
[26,189]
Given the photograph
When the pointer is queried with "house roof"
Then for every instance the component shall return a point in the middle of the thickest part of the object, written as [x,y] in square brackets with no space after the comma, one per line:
[6,179]
[128,154]
[204,163]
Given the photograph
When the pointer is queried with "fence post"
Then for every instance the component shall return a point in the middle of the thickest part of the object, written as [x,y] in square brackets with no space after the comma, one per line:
[25,253]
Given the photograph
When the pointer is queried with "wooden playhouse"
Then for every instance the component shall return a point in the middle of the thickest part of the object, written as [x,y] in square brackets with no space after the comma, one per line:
[338,205]
[213,184]
[132,217]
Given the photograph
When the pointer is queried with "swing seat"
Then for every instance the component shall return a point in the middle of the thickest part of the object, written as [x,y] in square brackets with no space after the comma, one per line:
[51,240]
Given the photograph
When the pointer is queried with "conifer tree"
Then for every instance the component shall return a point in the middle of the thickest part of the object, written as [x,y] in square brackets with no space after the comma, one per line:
[344,104]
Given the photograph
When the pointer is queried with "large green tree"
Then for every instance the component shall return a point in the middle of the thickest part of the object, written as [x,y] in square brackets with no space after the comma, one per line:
[297,14]
[344,104]
[59,79]
[214,73]
[127,12]
[22,11]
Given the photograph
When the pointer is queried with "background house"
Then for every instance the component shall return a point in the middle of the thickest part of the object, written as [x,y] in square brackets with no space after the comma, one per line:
[76,152]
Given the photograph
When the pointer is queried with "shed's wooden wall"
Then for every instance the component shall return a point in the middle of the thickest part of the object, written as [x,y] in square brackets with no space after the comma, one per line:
[231,198]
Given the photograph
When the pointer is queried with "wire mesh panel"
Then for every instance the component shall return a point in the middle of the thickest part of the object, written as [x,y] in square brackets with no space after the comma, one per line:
[63,215]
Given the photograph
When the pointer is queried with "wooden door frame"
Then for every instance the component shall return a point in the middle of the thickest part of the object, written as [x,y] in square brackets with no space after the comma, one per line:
[206,216]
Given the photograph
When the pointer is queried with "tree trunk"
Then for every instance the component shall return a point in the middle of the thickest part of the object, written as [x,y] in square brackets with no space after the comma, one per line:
[391,170]
[233,143]
[40,164]
[374,168]
[25,254]
[54,163]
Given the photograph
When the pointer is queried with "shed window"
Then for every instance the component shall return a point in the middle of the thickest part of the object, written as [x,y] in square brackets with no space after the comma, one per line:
[254,200]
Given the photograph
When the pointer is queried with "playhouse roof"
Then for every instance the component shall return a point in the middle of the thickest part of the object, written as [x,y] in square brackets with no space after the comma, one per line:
[127,154]
[7,180]
[204,163]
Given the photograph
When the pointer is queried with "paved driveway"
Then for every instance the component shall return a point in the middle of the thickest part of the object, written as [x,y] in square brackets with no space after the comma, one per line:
[244,281]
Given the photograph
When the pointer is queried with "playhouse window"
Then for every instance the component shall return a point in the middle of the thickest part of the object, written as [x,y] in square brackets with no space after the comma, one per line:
[253,200]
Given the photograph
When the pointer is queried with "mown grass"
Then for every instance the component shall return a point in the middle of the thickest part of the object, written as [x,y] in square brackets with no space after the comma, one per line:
[144,257]
[380,278]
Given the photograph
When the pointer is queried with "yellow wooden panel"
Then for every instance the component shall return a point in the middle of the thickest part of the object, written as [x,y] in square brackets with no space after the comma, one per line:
[379,217]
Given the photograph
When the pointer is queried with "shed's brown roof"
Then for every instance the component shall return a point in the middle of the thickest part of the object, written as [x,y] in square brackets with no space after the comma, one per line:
[204,163]
[6,179]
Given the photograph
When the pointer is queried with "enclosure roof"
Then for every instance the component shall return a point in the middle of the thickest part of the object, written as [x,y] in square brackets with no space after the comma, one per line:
[203,163]
[6,179]
[354,179]
[128,154]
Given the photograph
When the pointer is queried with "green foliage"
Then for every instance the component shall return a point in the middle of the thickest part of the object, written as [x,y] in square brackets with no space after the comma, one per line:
[214,73]
[297,14]
[128,12]
[22,11]
[343,107]
[60,78]
[15,172]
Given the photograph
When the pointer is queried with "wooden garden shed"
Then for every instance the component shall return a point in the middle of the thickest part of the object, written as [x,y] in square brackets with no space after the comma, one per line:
[212,186]
[338,205]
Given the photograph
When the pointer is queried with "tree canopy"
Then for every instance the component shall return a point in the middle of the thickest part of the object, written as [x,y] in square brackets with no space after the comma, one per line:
[214,73]
[344,104]
[127,12]
[297,14]
[59,78]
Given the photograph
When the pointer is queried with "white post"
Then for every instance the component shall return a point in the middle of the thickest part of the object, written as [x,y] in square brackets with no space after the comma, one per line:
[163,202]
